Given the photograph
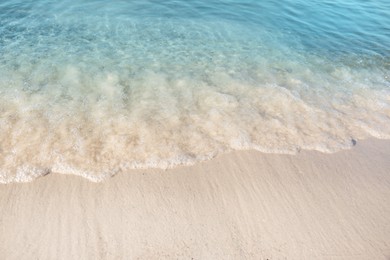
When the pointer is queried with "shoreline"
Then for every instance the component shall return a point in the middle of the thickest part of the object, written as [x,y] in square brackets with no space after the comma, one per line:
[34,173]
[241,205]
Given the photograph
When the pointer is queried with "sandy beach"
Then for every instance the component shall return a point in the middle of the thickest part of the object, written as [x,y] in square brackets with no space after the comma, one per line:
[242,205]
[194,130]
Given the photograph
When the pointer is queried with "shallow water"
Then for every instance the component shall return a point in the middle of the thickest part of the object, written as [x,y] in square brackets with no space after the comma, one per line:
[93,87]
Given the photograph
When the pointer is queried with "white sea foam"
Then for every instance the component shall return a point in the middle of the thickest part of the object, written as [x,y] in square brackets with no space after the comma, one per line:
[163,121]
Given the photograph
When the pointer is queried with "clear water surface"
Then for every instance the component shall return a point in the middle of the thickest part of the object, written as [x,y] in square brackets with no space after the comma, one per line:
[93,87]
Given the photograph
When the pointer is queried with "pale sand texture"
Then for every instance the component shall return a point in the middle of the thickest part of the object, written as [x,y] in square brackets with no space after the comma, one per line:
[244,205]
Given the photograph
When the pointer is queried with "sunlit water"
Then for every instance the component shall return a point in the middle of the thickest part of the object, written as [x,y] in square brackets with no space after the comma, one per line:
[93,87]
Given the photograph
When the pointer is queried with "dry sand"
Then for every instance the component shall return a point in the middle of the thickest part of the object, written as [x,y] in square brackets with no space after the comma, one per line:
[243,205]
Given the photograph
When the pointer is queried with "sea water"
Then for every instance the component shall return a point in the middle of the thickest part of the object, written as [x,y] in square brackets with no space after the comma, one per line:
[93,87]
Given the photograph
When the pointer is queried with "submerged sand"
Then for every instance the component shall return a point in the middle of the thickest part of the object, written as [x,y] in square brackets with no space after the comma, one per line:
[243,205]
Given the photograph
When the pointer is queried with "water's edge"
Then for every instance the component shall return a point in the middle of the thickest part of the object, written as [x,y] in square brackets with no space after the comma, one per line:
[104,176]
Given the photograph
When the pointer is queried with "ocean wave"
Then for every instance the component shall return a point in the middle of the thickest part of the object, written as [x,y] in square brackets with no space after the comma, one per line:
[93,90]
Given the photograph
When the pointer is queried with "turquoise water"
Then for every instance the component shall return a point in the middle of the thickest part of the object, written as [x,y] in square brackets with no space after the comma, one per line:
[93,87]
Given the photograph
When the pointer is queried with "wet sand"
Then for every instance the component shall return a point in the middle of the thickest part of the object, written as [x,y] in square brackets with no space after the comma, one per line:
[242,205]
